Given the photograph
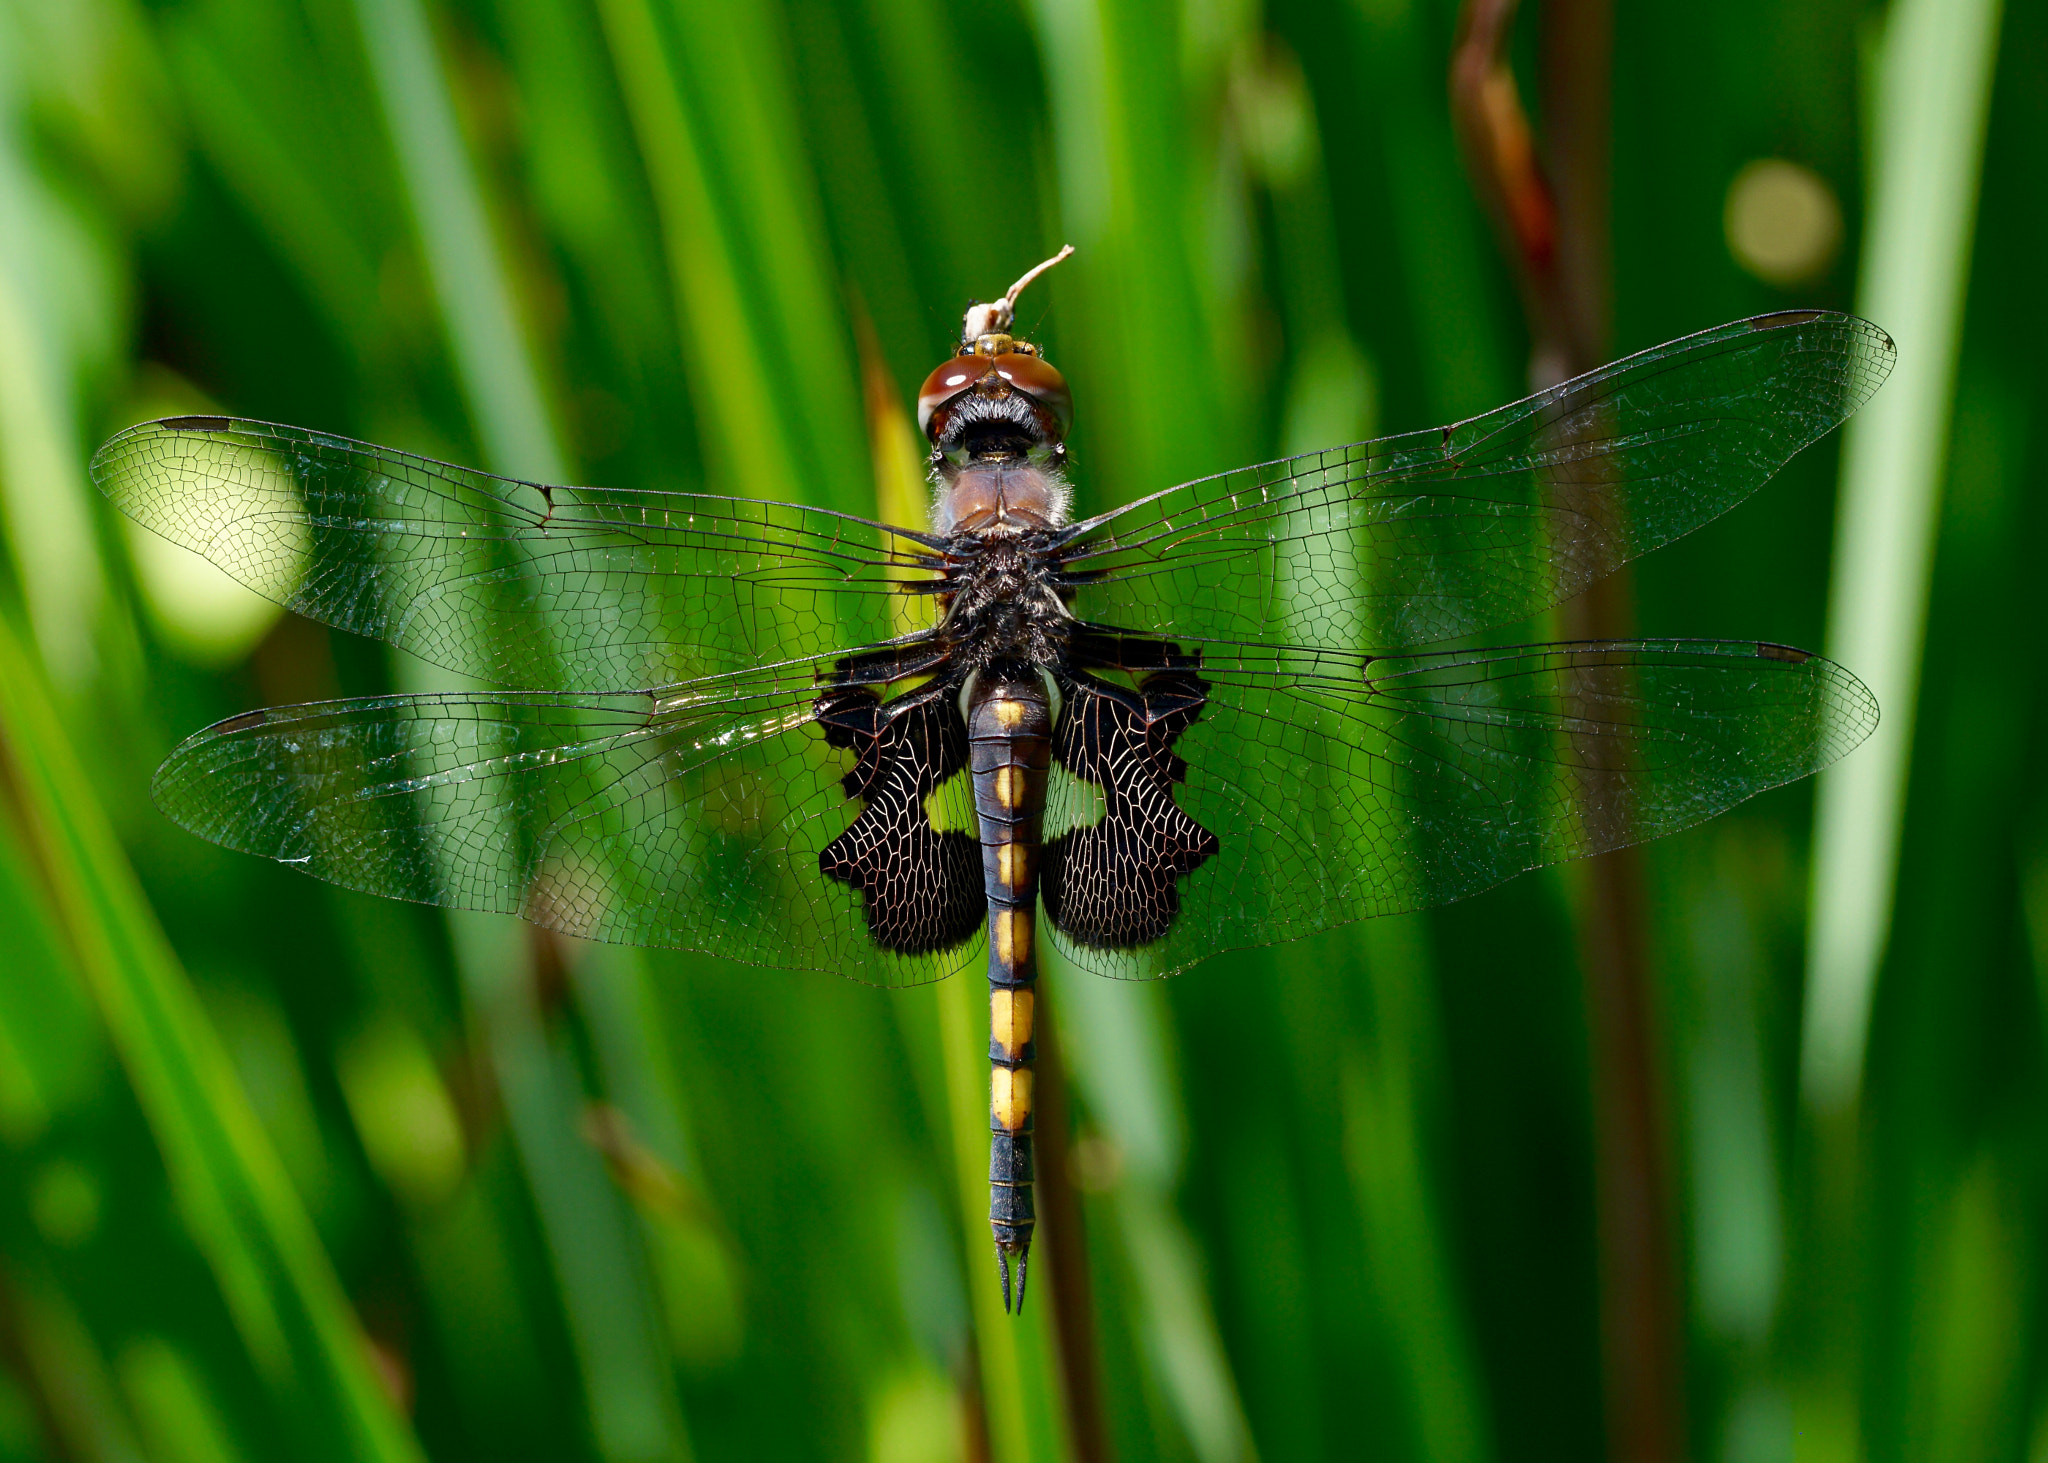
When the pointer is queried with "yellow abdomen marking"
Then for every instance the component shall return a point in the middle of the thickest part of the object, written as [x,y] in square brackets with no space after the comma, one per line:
[1009,714]
[1009,1020]
[1009,787]
[1013,866]
[1010,931]
[1009,1097]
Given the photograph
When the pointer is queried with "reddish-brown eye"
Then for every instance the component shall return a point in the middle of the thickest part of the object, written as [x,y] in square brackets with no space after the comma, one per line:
[1036,378]
[952,378]
[1032,375]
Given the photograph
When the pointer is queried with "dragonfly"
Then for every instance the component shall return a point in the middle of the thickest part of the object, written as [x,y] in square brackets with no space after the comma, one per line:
[1218,717]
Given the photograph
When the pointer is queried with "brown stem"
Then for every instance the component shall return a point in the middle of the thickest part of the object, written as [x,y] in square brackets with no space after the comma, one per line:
[1639,1309]
[1550,210]
[1501,162]
[1066,1246]
[973,1414]
[53,1404]
[1577,44]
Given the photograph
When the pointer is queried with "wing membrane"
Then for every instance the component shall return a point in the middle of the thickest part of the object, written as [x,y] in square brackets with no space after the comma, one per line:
[590,590]
[1334,787]
[692,818]
[1490,521]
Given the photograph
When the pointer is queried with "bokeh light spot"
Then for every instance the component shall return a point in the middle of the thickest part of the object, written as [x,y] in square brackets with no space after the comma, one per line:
[64,1199]
[1783,223]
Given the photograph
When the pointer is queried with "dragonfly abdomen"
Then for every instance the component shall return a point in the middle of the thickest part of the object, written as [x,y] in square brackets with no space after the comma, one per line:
[1009,740]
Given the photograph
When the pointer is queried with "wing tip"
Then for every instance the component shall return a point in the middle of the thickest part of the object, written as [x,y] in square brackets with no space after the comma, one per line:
[1875,353]
[106,469]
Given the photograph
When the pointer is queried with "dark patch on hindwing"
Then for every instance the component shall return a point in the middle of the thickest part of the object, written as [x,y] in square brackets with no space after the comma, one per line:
[922,887]
[1116,885]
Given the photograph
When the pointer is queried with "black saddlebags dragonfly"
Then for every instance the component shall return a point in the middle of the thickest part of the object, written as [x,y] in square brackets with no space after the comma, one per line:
[1202,721]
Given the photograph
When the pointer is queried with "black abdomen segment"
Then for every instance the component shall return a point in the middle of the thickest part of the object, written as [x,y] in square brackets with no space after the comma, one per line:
[1009,748]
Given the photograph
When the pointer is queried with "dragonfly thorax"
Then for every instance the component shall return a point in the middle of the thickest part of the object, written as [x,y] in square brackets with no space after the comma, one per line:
[1000,493]
[1004,603]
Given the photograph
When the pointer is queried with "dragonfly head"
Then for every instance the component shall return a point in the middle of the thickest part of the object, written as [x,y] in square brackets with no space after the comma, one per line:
[996,397]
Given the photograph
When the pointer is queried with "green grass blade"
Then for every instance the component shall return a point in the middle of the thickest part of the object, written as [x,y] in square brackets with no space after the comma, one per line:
[1934,94]
[170,1400]
[739,94]
[1147,196]
[229,1185]
[1439,234]
[599,1265]
[43,496]
[753,287]
[1134,181]
[1114,1042]
[310,225]
[471,283]
[1405,1252]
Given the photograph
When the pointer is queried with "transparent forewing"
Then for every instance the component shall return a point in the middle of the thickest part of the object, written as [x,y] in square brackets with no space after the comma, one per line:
[580,589]
[1335,787]
[1485,523]
[693,818]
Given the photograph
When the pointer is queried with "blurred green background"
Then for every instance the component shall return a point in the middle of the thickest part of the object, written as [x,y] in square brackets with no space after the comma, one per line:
[286,1172]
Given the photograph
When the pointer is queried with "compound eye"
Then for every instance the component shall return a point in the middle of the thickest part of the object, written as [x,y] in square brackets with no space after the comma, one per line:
[949,381]
[1036,378]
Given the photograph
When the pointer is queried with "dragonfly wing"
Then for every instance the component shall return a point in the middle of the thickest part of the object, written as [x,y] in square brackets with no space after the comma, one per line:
[520,584]
[1271,793]
[1413,540]
[753,817]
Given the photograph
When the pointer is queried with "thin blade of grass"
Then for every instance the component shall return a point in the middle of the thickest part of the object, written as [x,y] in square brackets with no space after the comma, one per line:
[1114,1043]
[1406,1256]
[479,313]
[229,1185]
[43,495]
[1934,94]
[600,1267]
[752,283]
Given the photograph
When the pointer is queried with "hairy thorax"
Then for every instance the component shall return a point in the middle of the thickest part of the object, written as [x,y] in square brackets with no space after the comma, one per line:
[1003,602]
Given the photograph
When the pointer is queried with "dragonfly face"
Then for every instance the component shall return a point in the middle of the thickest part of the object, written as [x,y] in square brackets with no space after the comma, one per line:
[996,416]
[1206,720]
